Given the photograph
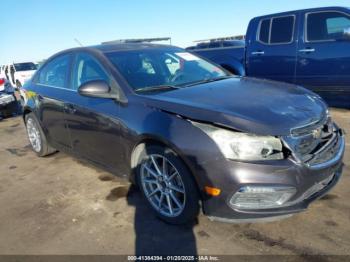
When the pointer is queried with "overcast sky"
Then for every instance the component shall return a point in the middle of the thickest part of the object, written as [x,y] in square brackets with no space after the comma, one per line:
[32,30]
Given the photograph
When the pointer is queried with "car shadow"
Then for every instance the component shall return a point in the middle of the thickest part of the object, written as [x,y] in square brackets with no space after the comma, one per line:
[155,237]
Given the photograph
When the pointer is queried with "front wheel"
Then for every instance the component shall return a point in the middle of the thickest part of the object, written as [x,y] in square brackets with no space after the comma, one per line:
[37,137]
[167,185]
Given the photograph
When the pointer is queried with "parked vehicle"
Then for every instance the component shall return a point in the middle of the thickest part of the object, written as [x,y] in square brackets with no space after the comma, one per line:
[2,72]
[17,74]
[245,148]
[308,47]
[8,101]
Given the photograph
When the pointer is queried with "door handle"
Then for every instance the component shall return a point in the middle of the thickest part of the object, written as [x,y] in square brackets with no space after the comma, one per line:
[307,50]
[258,53]
[70,109]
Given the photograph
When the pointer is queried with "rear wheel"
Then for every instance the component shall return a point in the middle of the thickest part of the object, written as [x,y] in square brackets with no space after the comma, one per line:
[167,185]
[36,136]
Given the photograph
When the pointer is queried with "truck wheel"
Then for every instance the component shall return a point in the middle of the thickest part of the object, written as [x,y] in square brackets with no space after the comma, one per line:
[167,185]
[36,136]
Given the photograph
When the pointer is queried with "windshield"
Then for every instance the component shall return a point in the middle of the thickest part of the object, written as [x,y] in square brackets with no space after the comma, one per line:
[25,66]
[163,67]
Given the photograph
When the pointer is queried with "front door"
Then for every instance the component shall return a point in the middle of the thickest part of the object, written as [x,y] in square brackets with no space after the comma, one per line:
[271,54]
[323,63]
[93,122]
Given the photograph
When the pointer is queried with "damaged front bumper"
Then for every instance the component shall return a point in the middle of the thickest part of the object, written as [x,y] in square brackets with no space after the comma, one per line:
[311,180]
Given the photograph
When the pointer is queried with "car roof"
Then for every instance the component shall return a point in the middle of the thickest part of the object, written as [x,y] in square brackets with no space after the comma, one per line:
[128,46]
[305,10]
[107,48]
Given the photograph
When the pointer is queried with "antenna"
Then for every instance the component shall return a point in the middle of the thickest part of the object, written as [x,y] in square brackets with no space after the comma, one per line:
[78,42]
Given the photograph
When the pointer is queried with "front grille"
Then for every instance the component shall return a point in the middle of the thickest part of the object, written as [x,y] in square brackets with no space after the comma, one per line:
[317,143]
[327,152]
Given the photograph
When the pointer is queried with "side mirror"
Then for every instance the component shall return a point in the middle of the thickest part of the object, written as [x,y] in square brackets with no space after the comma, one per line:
[346,33]
[95,88]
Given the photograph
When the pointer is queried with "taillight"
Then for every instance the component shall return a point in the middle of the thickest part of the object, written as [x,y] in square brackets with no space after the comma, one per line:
[2,81]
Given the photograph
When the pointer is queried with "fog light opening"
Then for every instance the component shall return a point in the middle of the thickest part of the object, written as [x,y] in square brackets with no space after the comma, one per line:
[259,197]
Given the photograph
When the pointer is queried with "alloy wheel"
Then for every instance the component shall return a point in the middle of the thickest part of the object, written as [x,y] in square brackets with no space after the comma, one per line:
[34,135]
[163,186]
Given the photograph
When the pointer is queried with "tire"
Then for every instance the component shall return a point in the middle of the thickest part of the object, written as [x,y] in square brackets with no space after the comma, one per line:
[151,179]
[37,137]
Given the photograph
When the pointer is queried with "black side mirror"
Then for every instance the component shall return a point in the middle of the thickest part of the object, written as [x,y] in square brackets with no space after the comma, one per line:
[96,88]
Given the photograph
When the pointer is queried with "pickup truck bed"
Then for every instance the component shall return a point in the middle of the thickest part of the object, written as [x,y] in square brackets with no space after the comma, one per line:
[231,58]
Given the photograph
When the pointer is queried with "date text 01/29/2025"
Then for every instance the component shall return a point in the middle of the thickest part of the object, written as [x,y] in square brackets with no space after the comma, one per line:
[173,258]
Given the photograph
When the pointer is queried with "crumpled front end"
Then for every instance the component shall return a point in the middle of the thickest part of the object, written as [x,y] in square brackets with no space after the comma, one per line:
[272,189]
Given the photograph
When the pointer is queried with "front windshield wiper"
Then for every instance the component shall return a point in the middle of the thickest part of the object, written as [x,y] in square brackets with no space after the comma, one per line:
[156,88]
[206,81]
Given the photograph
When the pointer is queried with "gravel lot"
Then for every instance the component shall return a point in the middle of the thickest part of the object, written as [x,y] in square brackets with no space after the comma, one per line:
[60,205]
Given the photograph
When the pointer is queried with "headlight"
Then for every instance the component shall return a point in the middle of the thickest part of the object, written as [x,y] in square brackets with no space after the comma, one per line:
[242,146]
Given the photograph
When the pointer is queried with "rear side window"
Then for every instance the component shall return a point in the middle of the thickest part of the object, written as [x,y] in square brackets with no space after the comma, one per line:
[282,30]
[325,26]
[55,72]
[264,31]
[277,30]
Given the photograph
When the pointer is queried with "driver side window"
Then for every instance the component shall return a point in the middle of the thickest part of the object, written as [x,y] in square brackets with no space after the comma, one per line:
[326,26]
[86,68]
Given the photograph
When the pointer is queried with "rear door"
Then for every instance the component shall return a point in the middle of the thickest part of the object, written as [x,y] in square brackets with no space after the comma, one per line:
[324,55]
[51,85]
[271,52]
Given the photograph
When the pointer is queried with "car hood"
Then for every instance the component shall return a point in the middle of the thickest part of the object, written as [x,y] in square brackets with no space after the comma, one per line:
[246,104]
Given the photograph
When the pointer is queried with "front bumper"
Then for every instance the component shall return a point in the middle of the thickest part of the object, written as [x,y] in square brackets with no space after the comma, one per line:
[311,183]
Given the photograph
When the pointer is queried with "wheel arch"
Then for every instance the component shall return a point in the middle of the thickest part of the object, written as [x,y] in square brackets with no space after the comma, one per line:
[26,111]
[234,67]
[230,63]
[147,140]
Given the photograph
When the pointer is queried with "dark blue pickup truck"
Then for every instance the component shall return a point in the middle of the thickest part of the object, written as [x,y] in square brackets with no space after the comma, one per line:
[308,47]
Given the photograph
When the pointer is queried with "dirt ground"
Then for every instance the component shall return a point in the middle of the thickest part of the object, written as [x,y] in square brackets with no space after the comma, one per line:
[59,205]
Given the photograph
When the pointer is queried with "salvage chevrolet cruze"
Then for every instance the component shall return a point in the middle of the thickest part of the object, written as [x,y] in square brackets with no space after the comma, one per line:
[189,134]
